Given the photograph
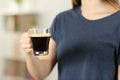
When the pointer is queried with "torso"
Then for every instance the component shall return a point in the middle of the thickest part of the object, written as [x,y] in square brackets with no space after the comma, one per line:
[87,49]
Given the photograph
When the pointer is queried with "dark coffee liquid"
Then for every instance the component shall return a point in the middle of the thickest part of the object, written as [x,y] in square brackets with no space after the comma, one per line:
[40,43]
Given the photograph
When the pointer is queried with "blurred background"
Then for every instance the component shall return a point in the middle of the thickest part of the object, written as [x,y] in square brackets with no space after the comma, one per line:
[16,17]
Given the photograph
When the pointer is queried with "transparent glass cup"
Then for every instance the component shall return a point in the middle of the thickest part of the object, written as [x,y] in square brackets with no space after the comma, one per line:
[40,40]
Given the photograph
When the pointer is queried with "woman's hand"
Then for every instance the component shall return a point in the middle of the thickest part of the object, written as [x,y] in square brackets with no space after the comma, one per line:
[26,44]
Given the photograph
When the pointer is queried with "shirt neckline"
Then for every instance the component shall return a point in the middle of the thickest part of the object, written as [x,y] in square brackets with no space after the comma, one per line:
[95,20]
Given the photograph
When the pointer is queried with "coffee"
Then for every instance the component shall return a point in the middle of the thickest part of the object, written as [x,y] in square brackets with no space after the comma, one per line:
[40,43]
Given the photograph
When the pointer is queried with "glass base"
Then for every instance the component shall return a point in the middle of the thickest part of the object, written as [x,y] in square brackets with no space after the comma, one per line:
[37,53]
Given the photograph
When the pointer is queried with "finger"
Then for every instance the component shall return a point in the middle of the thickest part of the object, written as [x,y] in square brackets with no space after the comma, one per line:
[25,35]
[26,41]
[26,46]
[28,51]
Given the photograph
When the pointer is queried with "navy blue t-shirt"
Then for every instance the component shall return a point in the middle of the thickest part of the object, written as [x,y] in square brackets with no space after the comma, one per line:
[86,49]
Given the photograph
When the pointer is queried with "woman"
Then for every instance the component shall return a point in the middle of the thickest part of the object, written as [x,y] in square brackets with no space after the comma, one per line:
[84,41]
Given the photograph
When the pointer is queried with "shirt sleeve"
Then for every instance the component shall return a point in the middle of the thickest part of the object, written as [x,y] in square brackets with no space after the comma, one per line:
[54,29]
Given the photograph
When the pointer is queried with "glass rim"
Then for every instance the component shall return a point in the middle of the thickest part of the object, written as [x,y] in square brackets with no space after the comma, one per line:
[39,30]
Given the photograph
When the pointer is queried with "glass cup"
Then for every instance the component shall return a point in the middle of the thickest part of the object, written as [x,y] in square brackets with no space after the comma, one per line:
[40,40]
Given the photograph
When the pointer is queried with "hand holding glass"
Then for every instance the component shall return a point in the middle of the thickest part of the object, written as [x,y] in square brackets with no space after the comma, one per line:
[40,40]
